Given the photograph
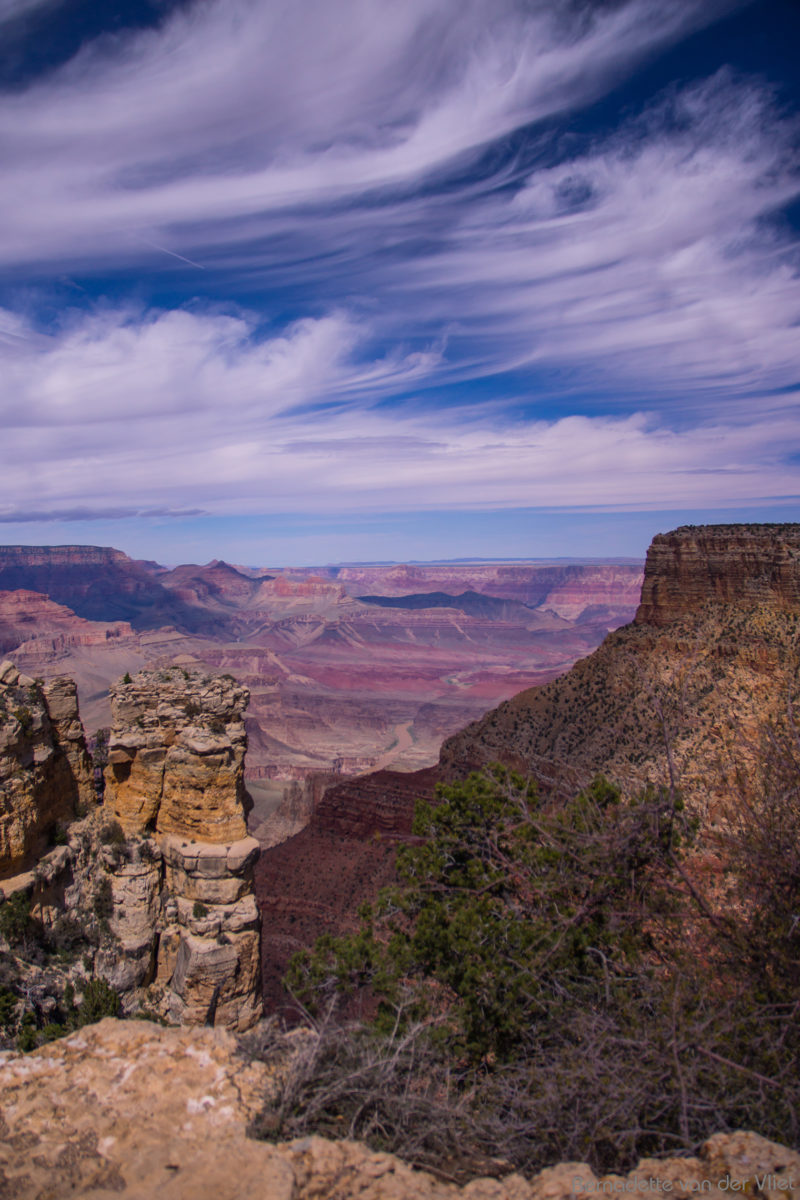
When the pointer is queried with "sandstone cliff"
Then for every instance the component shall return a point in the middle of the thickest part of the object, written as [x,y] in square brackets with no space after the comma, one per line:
[712,658]
[695,566]
[45,772]
[152,892]
[185,912]
[130,1108]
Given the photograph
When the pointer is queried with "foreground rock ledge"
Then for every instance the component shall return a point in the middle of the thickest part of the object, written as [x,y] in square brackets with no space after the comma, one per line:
[128,1108]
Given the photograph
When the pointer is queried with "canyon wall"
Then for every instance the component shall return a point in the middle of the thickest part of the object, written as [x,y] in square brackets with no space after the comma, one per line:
[700,565]
[45,771]
[346,671]
[686,690]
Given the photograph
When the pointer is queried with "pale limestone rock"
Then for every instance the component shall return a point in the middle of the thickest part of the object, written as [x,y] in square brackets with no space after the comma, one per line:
[45,771]
[129,1108]
[176,772]
[176,756]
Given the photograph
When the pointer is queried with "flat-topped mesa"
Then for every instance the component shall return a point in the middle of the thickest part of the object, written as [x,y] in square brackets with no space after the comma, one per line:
[176,756]
[45,771]
[699,565]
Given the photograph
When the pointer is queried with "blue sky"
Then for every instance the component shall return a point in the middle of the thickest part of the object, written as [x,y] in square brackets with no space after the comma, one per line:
[321,280]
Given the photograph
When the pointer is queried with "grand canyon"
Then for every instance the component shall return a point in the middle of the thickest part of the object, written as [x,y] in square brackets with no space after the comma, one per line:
[144,875]
[350,668]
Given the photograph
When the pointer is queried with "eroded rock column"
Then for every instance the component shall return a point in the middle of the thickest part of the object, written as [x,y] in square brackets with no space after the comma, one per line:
[176,777]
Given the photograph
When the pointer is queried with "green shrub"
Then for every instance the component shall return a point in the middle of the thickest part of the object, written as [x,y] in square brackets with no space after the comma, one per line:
[25,718]
[104,899]
[8,1008]
[560,986]
[17,925]
[99,1000]
[506,907]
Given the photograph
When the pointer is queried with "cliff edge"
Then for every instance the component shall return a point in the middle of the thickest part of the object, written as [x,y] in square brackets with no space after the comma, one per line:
[126,1107]
[686,690]
[700,565]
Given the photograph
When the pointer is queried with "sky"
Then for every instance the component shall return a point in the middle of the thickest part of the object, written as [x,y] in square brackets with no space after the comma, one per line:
[304,281]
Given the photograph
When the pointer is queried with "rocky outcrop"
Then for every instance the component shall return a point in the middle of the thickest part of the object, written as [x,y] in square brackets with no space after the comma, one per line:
[700,565]
[45,771]
[130,1108]
[184,911]
[176,755]
[710,661]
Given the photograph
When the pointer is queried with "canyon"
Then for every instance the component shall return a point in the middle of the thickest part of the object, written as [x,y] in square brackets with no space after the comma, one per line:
[349,668]
[680,698]
[683,697]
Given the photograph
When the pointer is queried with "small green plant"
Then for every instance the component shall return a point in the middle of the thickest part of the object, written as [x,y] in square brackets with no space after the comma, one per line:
[27,1039]
[99,1000]
[8,1008]
[25,717]
[199,911]
[126,678]
[16,923]
[59,835]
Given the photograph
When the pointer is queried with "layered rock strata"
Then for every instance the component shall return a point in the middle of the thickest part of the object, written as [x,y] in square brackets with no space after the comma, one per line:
[182,885]
[45,771]
[699,565]
[686,691]
[128,1108]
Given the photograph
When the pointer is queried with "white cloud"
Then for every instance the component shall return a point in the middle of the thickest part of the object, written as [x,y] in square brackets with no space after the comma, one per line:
[236,109]
[174,410]
[285,144]
[648,262]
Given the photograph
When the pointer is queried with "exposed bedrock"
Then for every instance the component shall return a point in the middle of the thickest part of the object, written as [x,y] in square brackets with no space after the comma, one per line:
[698,565]
[45,771]
[686,690]
[165,1113]
[175,783]
[176,755]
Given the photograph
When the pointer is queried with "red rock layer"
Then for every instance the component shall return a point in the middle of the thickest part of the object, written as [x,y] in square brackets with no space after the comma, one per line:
[315,882]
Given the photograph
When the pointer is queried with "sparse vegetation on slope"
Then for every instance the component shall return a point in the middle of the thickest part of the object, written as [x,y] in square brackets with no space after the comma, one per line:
[560,982]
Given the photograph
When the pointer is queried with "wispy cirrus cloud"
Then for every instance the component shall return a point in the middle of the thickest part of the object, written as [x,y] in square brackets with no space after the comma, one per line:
[399,172]
[236,110]
[235,433]
[648,262]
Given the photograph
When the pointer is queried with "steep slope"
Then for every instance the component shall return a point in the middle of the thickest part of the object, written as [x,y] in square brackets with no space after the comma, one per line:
[711,657]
